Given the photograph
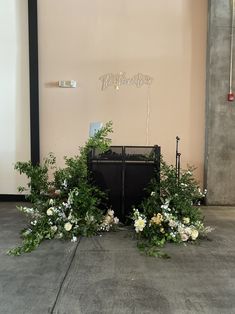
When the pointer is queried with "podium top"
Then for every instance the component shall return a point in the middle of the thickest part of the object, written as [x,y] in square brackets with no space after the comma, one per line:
[128,153]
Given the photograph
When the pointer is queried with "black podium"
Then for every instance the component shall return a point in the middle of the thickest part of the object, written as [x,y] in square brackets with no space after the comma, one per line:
[124,172]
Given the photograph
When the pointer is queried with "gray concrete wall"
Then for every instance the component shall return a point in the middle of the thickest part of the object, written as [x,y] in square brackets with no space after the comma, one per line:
[220,115]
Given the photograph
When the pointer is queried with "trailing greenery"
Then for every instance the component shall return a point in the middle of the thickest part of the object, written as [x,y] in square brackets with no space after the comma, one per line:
[169,213]
[68,205]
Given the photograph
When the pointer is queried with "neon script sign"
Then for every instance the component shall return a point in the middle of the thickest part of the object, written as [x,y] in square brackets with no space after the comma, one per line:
[118,79]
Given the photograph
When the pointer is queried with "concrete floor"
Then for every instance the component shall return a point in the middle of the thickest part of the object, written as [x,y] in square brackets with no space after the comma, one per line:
[107,275]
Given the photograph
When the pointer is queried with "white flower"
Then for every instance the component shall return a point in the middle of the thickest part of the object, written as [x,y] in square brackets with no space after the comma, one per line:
[59,236]
[194,234]
[115,220]
[140,224]
[74,239]
[68,226]
[66,205]
[110,212]
[51,202]
[50,211]
[65,184]
[54,228]
[108,219]
[186,220]
[166,205]
[28,231]
[34,222]
[184,237]
[70,216]
[172,223]
[152,193]
[188,231]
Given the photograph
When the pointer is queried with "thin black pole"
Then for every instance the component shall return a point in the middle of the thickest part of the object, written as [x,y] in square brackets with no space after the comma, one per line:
[177,159]
[33,77]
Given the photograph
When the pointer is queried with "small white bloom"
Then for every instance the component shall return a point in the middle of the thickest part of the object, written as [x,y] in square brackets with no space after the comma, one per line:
[50,211]
[115,220]
[74,239]
[28,231]
[54,228]
[65,184]
[152,193]
[68,226]
[172,223]
[51,202]
[59,236]
[34,222]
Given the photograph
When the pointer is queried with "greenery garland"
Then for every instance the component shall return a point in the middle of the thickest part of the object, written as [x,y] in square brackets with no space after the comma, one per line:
[67,206]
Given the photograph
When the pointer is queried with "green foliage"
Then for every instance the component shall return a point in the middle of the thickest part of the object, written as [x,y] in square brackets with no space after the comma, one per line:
[38,184]
[169,213]
[151,250]
[67,206]
[180,193]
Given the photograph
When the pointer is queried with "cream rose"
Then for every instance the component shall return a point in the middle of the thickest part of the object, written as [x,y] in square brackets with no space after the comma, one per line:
[50,211]
[68,226]
[194,234]
[110,212]
[184,237]
[139,224]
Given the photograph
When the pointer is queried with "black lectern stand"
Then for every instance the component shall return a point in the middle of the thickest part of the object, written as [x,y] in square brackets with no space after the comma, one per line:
[124,172]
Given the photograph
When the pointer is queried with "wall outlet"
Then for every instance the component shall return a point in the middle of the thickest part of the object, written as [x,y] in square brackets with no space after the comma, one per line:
[68,84]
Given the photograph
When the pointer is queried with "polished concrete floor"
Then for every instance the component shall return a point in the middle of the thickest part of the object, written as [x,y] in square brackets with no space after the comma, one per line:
[107,275]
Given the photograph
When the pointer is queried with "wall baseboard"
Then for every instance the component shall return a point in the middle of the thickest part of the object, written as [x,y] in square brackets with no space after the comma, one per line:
[12,198]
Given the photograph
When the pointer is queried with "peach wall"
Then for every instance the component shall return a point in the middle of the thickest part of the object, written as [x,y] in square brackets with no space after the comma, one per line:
[82,40]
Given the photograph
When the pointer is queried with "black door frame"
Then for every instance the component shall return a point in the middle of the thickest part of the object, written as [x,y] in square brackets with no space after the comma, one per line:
[33,79]
[34,93]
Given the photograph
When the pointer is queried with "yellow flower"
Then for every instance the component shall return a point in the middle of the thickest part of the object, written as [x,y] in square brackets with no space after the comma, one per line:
[157,219]
[194,234]
[186,220]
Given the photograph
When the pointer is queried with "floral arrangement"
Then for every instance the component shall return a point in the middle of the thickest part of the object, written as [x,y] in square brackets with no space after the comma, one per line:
[67,206]
[169,213]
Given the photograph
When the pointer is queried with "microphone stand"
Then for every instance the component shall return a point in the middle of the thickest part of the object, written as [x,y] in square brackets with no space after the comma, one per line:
[177,159]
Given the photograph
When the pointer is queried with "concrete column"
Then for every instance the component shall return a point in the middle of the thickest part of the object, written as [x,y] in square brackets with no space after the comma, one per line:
[220,114]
